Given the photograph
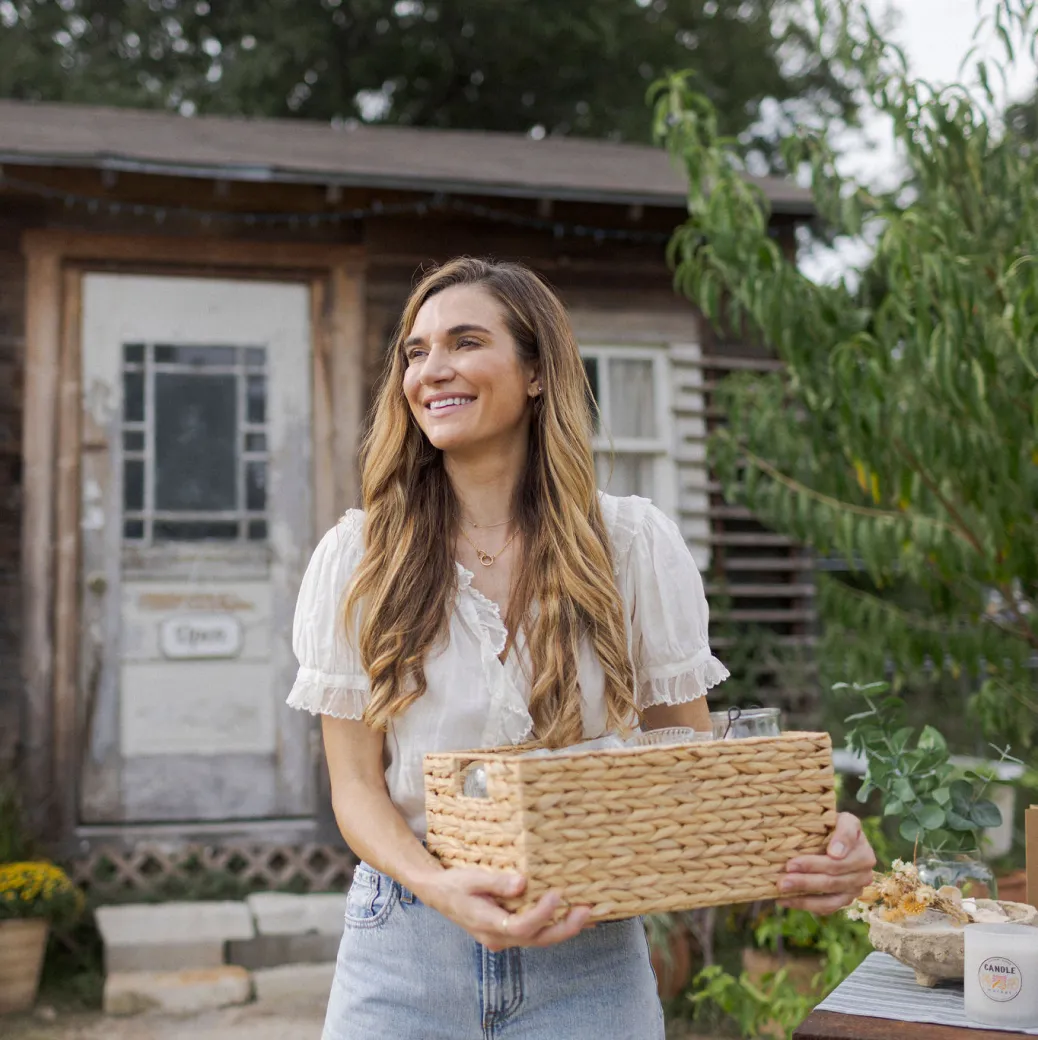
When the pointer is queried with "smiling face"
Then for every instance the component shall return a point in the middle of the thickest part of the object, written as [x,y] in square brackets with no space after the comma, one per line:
[464,381]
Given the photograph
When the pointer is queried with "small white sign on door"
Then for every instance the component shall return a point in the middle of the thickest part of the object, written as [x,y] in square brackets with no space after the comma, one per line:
[200,636]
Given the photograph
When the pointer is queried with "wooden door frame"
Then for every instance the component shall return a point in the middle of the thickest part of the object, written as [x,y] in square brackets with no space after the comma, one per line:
[52,442]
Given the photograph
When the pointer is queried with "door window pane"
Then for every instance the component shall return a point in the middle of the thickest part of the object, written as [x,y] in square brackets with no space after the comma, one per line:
[194,443]
[133,485]
[196,435]
[196,530]
[256,391]
[133,397]
[256,486]
[198,357]
[632,399]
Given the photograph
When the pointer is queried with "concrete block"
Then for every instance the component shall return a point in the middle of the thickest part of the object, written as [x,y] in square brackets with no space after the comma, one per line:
[169,923]
[164,956]
[176,992]
[268,951]
[281,913]
[294,984]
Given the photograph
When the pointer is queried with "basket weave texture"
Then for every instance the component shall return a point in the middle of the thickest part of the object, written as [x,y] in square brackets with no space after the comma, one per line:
[638,830]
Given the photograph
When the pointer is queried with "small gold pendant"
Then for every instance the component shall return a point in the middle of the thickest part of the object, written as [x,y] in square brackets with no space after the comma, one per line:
[485,558]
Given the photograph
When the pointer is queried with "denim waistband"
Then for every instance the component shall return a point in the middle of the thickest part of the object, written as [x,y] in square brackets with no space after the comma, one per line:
[405,894]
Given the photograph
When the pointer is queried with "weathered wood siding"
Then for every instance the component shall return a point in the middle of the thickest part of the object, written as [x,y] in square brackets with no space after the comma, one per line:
[12,343]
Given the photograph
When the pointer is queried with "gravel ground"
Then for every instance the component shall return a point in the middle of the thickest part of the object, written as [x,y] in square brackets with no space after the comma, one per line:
[249,1022]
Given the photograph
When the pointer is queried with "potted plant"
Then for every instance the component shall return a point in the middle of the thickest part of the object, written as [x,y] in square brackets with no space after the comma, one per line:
[941,809]
[33,896]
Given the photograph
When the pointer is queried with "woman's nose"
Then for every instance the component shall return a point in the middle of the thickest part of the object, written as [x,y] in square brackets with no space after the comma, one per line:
[437,366]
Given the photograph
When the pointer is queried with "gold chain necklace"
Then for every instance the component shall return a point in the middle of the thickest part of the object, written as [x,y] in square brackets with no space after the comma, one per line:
[484,557]
[472,523]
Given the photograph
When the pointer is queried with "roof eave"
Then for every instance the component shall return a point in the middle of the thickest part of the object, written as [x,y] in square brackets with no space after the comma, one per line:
[275,175]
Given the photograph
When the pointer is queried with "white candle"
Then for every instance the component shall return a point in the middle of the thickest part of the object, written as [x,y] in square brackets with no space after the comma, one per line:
[1001,976]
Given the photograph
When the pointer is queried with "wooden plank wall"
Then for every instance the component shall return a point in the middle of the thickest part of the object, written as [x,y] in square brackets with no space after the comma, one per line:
[12,354]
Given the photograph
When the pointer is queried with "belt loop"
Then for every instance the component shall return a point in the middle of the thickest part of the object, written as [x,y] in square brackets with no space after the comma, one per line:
[406,895]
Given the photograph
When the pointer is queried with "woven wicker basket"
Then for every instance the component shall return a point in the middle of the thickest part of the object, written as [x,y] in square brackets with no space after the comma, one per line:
[638,830]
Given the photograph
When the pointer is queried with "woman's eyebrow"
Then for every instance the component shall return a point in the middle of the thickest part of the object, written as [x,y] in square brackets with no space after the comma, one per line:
[454,330]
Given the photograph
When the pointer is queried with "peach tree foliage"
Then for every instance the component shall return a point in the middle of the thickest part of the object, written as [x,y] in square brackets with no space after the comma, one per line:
[902,434]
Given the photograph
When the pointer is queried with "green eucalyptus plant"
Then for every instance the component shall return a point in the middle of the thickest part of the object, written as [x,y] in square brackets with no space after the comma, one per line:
[939,806]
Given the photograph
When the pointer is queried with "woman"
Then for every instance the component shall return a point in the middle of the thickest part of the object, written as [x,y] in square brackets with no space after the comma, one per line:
[489,595]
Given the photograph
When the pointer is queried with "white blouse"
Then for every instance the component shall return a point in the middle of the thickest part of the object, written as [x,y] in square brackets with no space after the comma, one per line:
[474,700]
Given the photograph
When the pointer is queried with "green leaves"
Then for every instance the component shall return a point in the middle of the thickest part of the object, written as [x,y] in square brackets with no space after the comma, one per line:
[902,434]
[913,774]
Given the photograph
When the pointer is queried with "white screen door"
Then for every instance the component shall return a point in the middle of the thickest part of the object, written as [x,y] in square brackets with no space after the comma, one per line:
[196,520]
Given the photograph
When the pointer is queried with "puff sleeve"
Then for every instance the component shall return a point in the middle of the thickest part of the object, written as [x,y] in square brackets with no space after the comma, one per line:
[669,616]
[330,680]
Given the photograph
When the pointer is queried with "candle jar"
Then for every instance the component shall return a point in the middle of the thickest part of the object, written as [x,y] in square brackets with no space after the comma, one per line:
[1001,975]
[964,870]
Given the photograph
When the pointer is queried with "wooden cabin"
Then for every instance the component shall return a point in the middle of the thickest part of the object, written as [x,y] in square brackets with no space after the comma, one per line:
[192,315]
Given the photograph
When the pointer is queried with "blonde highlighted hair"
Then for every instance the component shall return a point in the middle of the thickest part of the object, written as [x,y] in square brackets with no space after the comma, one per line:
[404,588]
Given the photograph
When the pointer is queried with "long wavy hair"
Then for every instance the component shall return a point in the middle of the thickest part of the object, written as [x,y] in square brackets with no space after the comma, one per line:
[402,594]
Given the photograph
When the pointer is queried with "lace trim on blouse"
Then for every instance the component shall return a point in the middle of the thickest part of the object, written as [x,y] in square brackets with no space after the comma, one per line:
[508,720]
[685,682]
[321,693]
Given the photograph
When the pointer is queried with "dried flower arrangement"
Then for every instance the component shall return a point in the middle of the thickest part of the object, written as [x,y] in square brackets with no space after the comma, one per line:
[899,895]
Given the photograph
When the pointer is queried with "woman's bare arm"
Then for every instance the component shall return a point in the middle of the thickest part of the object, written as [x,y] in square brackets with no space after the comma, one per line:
[375,831]
[367,818]
[693,714]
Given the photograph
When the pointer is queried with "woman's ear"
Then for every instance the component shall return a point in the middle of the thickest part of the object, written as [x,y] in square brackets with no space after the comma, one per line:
[535,387]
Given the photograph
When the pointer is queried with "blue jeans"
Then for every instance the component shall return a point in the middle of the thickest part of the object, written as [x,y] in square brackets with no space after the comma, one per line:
[405,972]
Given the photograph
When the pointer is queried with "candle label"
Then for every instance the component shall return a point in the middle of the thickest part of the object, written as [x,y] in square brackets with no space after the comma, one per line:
[999,979]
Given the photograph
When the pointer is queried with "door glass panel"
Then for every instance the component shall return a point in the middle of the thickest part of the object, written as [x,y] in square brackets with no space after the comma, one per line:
[133,396]
[194,443]
[255,486]
[196,357]
[195,530]
[133,485]
[256,390]
[196,427]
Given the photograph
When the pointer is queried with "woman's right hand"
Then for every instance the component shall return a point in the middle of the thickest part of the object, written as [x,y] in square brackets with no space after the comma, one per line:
[469,896]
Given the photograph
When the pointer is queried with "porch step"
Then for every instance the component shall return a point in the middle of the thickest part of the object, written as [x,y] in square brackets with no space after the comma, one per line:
[176,992]
[294,985]
[165,937]
[291,929]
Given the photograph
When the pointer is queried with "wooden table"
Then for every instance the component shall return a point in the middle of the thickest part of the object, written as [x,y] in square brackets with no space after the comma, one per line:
[829,1025]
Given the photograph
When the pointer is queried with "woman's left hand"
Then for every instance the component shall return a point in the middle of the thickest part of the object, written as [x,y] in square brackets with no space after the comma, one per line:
[824,884]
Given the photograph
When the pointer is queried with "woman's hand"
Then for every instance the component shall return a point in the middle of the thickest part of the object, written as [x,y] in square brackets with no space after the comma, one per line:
[469,896]
[824,884]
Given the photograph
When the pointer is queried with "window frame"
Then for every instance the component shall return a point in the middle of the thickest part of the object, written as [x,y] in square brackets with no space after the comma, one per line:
[661,447]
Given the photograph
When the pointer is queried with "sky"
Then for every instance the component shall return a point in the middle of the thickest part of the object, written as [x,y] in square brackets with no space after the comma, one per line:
[936,35]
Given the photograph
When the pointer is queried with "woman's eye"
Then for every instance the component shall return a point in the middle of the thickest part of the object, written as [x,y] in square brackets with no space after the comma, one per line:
[468,343]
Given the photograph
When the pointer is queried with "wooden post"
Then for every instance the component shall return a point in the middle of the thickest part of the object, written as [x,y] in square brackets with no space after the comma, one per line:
[66,609]
[326,508]
[349,300]
[39,437]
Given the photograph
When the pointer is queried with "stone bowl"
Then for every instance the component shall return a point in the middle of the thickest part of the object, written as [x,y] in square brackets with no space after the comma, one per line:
[933,946]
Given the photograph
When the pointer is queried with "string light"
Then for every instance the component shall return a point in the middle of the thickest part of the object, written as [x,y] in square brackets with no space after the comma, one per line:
[377,208]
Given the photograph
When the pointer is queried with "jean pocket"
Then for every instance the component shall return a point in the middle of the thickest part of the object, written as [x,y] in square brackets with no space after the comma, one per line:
[370,898]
